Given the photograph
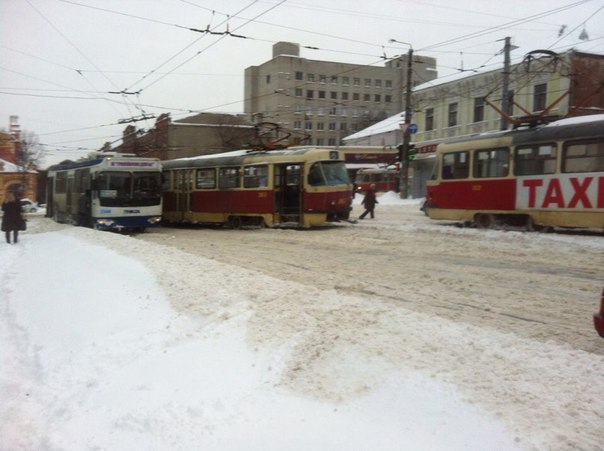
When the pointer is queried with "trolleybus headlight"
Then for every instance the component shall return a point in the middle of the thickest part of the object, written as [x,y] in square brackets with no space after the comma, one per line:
[105,222]
[154,219]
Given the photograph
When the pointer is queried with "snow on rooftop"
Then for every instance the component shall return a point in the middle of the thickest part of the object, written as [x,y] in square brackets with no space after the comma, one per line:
[387,125]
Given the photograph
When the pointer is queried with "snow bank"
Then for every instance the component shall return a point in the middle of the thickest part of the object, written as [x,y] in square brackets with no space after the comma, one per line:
[122,344]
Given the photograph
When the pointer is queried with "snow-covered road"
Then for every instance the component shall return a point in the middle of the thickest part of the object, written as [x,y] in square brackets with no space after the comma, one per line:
[282,339]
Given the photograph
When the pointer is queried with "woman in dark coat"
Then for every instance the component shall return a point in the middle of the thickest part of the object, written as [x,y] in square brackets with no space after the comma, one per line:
[369,202]
[11,219]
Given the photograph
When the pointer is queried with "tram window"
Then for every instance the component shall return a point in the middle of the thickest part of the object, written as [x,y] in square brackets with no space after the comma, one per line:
[206,179]
[538,159]
[255,176]
[292,175]
[328,173]
[584,156]
[228,178]
[491,163]
[456,165]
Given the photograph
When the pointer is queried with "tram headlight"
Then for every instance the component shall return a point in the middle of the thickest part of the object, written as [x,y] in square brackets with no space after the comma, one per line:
[154,219]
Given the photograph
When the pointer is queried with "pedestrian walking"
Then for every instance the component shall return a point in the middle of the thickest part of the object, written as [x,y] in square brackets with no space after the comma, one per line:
[369,202]
[12,220]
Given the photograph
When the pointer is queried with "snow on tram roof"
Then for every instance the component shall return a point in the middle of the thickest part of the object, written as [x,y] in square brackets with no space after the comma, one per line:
[576,120]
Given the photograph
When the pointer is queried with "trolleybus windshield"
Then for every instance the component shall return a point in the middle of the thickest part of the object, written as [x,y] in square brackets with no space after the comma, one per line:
[129,188]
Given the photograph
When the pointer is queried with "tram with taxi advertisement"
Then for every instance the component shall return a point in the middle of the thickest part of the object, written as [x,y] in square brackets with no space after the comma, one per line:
[546,176]
[302,187]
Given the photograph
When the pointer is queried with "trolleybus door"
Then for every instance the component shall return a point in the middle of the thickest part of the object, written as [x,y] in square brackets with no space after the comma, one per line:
[288,191]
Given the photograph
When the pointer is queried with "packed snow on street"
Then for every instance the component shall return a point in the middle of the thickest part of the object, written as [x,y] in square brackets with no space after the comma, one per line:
[201,338]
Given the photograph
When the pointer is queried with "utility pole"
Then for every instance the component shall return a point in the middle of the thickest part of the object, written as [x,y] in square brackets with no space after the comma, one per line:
[404,175]
[505,94]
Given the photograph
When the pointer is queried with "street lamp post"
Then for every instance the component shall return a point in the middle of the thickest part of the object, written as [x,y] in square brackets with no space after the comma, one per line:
[404,153]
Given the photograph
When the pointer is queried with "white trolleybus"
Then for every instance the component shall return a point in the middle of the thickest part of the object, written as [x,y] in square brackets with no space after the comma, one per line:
[107,191]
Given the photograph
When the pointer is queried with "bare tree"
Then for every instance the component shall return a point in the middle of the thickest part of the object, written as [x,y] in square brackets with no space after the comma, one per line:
[28,151]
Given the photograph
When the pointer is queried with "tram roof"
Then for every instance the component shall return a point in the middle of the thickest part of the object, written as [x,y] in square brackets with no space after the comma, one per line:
[236,157]
[591,125]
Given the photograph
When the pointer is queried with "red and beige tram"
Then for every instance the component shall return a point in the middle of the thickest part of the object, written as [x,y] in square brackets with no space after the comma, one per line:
[547,176]
[303,187]
[385,179]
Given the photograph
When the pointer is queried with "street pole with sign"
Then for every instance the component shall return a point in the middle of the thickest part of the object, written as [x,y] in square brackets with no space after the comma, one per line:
[404,175]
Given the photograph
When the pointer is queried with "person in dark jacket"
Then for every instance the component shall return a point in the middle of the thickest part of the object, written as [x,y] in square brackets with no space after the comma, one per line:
[12,221]
[369,202]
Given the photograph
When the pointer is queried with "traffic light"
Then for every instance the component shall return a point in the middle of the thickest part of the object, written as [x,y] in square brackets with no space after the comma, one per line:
[411,152]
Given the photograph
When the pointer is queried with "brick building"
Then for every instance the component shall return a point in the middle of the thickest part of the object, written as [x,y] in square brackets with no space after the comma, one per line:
[202,134]
[23,182]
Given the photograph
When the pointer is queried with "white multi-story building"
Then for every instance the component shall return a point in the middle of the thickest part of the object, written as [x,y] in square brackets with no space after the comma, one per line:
[324,99]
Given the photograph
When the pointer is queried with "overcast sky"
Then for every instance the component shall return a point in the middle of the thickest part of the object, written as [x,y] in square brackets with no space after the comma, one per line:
[64,63]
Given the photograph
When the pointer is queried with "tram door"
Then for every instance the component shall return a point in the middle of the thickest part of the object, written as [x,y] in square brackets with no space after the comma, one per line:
[183,186]
[288,191]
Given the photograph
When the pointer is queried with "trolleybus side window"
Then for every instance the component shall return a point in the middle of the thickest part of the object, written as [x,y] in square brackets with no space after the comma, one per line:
[228,178]
[583,156]
[456,165]
[61,183]
[536,159]
[206,178]
[255,176]
[491,163]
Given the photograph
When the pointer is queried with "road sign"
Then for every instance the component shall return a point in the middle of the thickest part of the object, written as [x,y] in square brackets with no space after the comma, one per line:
[412,129]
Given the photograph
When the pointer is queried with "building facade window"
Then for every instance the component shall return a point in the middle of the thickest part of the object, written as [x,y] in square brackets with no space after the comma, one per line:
[268,79]
[334,95]
[356,96]
[378,83]
[368,82]
[334,79]
[344,96]
[388,83]
[321,94]
[452,118]
[299,75]
[310,77]
[345,80]
[540,97]
[429,119]
[388,99]
[356,81]
[377,98]
[310,94]
[366,97]
[479,103]
[299,92]
[297,125]
[322,78]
